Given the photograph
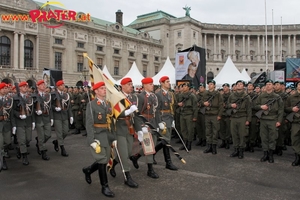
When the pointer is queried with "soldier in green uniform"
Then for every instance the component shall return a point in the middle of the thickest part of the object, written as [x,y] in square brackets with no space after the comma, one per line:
[85,98]
[188,115]
[100,132]
[254,125]
[77,113]
[43,118]
[61,114]
[272,106]
[177,111]
[147,106]
[240,118]
[213,103]
[125,133]
[166,111]
[200,124]
[225,120]
[292,107]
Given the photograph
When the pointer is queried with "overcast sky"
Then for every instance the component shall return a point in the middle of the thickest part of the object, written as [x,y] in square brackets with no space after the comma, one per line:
[206,11]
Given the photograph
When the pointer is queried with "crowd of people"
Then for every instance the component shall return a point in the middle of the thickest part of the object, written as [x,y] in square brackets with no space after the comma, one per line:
[244,117]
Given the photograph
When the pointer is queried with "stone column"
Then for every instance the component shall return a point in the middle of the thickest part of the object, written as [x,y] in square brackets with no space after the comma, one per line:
[244,51]
[220,48]
[289,47]
[229,53]
[248,50]
[233,48]
[16,50]
[37,46]
[258,48]
[294,48]
[205,45]
[278,46]
[264,48]
[22,51]
[215,47]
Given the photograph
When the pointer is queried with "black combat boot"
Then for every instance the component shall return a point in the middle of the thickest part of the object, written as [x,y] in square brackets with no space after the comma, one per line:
[169,164]
[199,142]
[103,180]
[18,152]
[247,146]
[55,143]
[37,146]
[208,149]
[279,150]
[296,161]
[227,145]
[112,170]
[134,160]
[189,145]
[63,151]
[222,145]
[241,153]
[235,153]
[4,165]
[265,157]
[25,159]
[251,147]
[6,154]
[158,147]
[203,143]
[214,149]
[151,173]
[271,159]
[44,155]
[182,147]
[88,171]
[129,181]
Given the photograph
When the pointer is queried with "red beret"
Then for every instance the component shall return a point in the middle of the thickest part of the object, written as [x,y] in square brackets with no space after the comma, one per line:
[2,85]
[163,79]
[147,80]
[40,82]
[97,85]
[23,84]
[125,81]
[14,87]
[59,83]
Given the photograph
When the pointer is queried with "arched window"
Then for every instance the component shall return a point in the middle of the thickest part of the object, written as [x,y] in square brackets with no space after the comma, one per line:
[210,76]
[4,50]
[28,54]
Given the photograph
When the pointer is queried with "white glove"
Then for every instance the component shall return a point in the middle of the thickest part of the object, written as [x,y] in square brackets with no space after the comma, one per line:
[157,130]
[173,124]
[51,122]
[130,110]
[140,136]
[14,129]
[71,120]
[22,116]
[161,126]
[145,130]
[38,112]
[33,125]
[96,146]
[114,143]
[57,109]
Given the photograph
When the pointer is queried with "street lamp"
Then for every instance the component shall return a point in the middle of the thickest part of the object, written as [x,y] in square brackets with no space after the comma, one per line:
[85,73]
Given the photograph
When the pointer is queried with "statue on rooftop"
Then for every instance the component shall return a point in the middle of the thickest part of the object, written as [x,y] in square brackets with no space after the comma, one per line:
[187,10]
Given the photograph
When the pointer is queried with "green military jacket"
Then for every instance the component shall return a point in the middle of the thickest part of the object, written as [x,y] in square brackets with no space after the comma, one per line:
[292,101]
[225,99]
[275,111]
[243,109]
[190,106]
[216,104]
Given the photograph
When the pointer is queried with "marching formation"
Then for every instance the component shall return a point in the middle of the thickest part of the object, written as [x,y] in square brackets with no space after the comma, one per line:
[244,117]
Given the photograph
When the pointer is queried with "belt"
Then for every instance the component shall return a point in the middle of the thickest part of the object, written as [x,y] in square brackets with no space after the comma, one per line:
[125,118]
[101,125]
[148,116]
[128,124]
[165,111]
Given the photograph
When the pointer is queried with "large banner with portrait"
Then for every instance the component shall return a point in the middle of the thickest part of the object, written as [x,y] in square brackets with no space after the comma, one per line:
[190,64]
[293,69]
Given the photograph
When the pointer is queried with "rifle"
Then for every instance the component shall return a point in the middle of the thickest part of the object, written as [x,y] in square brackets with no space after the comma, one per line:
[22,103]
[57,97]
[184,99]
[290,117]
[238,102]
[36,95]
[269,103]
[203,109]
[254,97]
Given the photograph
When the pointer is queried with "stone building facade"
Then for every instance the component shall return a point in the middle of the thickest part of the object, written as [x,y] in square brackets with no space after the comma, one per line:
[26,48]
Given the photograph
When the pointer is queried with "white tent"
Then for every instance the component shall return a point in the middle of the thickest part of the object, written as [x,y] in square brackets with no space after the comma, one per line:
[229,74]
[244,73]
[167,70]
[134,74]
[106,72]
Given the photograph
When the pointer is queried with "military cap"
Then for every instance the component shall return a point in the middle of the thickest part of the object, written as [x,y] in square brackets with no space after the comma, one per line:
[277,82]
[99,84]
[186,83]
[226,84]
[212,81]
[233,84]
[201,84]
[240,81]
[269,81]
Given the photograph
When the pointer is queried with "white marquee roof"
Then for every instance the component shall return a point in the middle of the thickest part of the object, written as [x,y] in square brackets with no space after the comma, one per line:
[106,72]
[134,74]
[167,70]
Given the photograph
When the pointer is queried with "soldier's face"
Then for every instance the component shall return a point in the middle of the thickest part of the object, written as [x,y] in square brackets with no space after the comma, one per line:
[166,84]
[41,87]
[149,87]
[61,87]
[269,86]
[277,86]
[225,88]
[257,89]
[211,86]
[127,88]
[298,87]
[24,89]
[101,91]
[201,89]
[239,86]
[250,87]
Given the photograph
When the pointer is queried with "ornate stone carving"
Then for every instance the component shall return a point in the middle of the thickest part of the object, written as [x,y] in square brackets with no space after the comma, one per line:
[117,44]
[81,36]
[99,40]
[131,47]
[31,26]
[59,32]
